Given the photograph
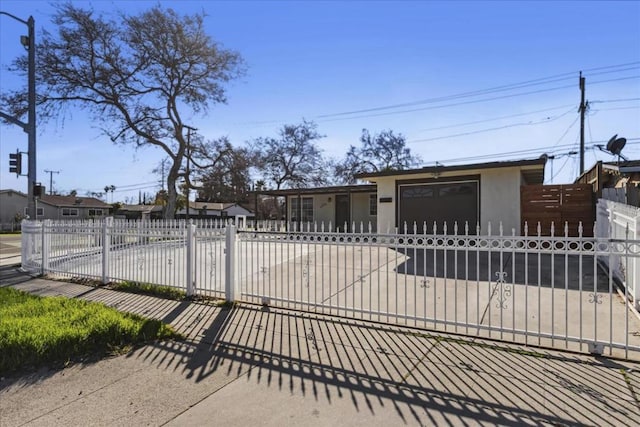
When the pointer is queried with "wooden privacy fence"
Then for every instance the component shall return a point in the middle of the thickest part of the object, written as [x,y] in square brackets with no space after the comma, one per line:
[557,204]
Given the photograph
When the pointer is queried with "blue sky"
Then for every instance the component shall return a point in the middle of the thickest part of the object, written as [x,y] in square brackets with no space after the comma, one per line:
[321,60]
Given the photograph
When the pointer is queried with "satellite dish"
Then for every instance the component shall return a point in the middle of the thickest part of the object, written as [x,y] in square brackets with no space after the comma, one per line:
[615,145]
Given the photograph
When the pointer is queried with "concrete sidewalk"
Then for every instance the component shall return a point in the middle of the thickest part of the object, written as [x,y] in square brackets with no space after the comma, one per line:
[257,366]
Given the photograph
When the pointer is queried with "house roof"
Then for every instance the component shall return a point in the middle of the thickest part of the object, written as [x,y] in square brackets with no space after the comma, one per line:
[10,191]
[534,174]
[141,208]
[615,168]
[627,166]
[210,205]
[362,188]
[66,201]
[74,201]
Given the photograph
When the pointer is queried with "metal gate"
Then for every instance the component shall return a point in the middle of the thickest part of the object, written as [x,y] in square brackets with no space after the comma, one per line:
[532,289]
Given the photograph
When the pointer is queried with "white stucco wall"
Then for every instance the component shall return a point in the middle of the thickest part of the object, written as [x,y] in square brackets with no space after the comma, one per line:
[386,211]
[323,208]
[500,200]
[499,197]
[360,212]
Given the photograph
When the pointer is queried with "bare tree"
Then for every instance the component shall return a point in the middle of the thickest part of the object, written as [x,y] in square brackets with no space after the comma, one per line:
[139,77]
[228,177]
[381,152]
[293,159]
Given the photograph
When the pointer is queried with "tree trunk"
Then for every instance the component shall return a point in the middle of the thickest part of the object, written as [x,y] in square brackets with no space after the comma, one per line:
[172,194]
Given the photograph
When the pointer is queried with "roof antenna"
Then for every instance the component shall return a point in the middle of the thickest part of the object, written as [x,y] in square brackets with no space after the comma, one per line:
[615,146]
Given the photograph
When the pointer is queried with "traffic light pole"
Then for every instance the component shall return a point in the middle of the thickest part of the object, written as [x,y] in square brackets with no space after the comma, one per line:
[31,178]
[30,126]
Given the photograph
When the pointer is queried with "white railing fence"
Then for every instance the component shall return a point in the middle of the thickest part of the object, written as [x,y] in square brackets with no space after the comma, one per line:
[620,222]
[531,289]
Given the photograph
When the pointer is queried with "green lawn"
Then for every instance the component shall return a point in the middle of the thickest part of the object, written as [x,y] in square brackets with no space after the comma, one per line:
[37,331]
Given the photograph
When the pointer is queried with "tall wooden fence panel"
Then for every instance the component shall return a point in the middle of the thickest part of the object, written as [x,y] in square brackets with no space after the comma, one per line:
[558,204]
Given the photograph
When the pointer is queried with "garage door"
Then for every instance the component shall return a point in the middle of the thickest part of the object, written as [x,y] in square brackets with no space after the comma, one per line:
[441,203]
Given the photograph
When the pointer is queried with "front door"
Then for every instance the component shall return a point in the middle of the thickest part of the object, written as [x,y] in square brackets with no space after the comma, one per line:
[342,212]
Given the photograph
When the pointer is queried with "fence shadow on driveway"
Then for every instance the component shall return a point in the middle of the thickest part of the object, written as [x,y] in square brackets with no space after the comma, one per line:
[269,361]
[546,270]
[369,369]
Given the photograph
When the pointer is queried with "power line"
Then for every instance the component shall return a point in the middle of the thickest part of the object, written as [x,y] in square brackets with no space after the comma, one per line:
[617,108]
[547,120]
[573,123]
[539,81]
[442,98]
[135,189]
[127,187]
[550,150]
[455,104]
[527,83]
[495,118]
[475,101]
[615,100]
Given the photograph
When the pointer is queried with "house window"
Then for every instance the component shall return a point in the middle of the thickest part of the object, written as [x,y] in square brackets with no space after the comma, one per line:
[39,212]
[373,204]
[69,212]
[307,209]
[95,212]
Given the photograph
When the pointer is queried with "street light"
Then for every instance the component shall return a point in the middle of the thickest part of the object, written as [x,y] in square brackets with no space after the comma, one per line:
[28,41]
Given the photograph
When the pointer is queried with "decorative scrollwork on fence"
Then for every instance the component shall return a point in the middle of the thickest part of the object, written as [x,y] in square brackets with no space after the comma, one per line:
[212,263]
[504,290]
[595,298]
[424,283]
[305,271]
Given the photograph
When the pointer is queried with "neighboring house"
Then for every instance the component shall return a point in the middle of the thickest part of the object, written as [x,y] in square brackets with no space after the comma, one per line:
[479,193]
[13,205]
[213,210]
[617,181]
[338,206]
[139,212]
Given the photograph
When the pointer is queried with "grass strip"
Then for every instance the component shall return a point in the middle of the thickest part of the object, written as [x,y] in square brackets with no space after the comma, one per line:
[161,291]
[39,331]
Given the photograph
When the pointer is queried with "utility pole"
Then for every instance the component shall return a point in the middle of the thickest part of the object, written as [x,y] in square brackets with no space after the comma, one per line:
[582,109]
[50,179]
[188,180]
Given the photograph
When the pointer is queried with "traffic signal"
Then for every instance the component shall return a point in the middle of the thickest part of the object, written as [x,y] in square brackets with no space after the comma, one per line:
[15,163]
[38,190]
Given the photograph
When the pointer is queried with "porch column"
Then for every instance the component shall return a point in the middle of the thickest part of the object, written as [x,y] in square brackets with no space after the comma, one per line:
[299,216]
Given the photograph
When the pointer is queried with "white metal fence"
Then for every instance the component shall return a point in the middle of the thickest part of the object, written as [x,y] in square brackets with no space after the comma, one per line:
[530,289]
[620,222]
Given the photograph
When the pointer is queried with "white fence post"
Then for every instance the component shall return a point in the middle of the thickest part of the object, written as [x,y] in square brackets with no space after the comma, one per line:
[191,246]
[24,237]
[46,246]
[230,264]
[107,226]
[635,262]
